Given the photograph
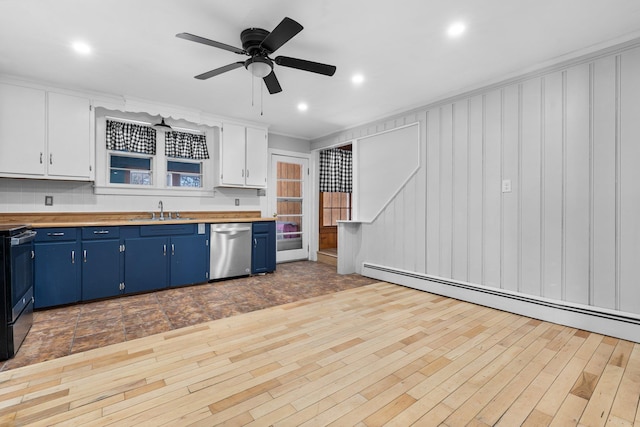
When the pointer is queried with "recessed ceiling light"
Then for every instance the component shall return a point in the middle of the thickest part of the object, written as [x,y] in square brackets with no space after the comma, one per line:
[357,79]
[81,48]
[303,107]
[456,29]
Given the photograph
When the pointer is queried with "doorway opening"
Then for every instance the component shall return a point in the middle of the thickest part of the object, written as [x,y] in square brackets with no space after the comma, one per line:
[335,201]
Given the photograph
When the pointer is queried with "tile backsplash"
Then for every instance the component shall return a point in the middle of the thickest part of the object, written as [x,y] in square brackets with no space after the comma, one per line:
[28,195]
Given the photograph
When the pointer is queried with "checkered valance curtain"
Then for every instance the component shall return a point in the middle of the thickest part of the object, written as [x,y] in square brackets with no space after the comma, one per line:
[185,145]
[131,137]
[336,171]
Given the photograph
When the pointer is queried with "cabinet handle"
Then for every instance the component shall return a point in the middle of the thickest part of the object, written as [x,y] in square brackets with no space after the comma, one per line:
[73,257]
[55,234]
[50,158]
[255,243]
[173,249]
[33,254]
[84,255]
[101,232]
[164,250]
[40,158]
[243,173]
[247,173]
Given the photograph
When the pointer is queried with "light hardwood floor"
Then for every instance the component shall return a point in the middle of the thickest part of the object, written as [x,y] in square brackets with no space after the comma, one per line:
[375,355]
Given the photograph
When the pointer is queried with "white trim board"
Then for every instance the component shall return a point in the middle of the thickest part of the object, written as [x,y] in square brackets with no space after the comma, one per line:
[607,322]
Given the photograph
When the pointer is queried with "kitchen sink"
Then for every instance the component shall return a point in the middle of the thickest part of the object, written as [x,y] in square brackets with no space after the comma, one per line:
[161,219]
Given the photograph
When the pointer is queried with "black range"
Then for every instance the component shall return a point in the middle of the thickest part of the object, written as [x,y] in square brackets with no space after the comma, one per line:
[16,286]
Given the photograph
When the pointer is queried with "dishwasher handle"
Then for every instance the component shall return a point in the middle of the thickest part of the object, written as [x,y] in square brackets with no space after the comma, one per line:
[229,230]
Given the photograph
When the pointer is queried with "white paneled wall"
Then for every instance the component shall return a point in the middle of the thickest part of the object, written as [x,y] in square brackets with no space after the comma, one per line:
[568,140]
[628,190]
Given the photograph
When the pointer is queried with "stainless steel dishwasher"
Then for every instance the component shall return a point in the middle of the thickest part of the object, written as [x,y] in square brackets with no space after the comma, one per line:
[230,250]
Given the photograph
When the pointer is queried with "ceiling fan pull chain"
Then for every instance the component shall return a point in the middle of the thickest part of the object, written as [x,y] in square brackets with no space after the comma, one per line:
[253,79]
[261,98]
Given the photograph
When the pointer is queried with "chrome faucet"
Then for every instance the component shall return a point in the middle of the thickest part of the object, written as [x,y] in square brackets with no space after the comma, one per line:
[161,206]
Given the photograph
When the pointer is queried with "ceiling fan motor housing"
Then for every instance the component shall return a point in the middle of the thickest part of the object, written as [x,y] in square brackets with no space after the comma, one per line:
[251,39]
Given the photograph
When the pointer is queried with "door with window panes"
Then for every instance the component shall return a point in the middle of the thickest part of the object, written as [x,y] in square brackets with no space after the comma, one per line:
[289,205]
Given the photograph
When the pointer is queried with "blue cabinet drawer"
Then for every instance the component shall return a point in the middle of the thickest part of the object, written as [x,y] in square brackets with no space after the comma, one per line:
[90,233]
[167,229]
[263,227]
[57,234]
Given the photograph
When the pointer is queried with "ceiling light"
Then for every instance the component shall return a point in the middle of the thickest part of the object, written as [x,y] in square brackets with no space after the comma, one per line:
[163,126]
[81,48]
[357,79]
[456,29]
[259,66]
[303,107]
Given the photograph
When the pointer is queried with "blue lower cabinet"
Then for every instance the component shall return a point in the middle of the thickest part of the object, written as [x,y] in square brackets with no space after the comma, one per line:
[100,269]
[263,252]
[146,263]
[56,273]
[189,260]
[87,263]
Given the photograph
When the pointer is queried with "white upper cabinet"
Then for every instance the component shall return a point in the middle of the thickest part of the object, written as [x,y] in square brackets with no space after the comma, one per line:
[243,157]
[256,147]
[69,137]
[22,131]
[232,155]
[44,134]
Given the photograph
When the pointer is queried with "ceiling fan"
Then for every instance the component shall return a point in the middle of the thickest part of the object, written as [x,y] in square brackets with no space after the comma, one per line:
[258,44]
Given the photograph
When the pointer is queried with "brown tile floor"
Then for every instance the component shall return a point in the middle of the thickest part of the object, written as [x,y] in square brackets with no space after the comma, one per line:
[61,331]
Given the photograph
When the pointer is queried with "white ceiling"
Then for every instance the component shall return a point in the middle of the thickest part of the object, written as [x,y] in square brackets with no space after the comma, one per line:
[400,46]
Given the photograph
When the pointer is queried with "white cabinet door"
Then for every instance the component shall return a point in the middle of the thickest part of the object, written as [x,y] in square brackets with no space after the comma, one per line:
[69,137]
[22,130]
[256,158]
[232,161]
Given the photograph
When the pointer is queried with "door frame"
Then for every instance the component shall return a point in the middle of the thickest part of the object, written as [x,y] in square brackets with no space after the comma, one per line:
[314,167]
[307,205]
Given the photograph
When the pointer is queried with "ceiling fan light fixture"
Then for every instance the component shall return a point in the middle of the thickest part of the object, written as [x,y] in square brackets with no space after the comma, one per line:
[259,66]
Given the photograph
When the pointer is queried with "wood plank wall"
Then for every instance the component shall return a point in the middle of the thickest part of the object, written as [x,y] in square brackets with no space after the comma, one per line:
[569,142]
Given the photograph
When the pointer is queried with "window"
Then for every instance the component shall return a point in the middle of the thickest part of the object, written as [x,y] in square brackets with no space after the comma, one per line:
[135,158]
[130,170]
[184,174]
[334,207]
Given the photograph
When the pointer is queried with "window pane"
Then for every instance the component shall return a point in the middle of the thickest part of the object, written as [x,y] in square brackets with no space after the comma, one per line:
[173,166]
[290,207]
[289,224]
[335,206]
[184,174]
[289,171]
[124,162]
[130,170]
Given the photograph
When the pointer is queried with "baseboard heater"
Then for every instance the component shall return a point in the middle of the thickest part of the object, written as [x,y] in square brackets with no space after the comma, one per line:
[594,319]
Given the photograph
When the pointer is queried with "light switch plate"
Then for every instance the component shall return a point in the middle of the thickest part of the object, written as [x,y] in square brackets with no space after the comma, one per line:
[506,186]
[48,200]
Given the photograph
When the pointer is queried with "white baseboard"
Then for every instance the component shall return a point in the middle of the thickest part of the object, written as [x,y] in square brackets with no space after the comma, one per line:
[594,319]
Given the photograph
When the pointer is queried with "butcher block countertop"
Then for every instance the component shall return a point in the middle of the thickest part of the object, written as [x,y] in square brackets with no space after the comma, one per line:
[88,219]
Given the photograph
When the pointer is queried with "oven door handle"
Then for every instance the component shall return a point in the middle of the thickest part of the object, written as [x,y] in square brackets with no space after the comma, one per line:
[23,238]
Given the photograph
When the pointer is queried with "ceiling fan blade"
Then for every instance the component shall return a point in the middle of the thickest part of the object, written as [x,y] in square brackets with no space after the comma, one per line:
[213,43]
[271,81]
[284,32]
[220,70]
[302,64]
